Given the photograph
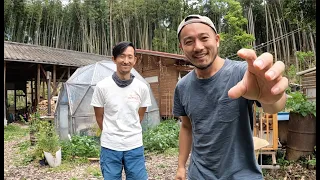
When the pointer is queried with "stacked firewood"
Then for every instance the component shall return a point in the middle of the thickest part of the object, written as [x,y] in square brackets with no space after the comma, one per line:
[43,107]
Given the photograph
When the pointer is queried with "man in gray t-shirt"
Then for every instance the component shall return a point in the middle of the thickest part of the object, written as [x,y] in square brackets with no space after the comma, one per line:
[214,104]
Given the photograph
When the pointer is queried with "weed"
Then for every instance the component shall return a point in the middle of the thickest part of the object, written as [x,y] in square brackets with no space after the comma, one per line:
[95,171]
[162,137]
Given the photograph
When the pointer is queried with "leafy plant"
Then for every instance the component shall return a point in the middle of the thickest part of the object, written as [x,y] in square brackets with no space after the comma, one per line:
[298,103]
[281,159]
[47,138]
[162,137]
[34,123]
[312,161]
[85,146]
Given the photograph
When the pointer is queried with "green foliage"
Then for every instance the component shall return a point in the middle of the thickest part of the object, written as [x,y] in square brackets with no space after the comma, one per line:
[66,150]
[95,171]
[47,138]
[79,146]
[25,153]
[162,137]
[312,161]
[281,161]
[291,74]
[34,123]
[234,37]
[298,103]
[306,59]
[14,131]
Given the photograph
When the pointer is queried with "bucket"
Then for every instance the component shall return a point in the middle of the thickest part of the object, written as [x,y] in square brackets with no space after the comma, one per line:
[301,136]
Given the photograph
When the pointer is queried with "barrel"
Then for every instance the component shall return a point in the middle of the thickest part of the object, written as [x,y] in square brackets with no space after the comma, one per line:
[301,137]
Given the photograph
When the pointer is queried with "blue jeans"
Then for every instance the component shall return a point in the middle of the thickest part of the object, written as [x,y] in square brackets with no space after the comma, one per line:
[133,162]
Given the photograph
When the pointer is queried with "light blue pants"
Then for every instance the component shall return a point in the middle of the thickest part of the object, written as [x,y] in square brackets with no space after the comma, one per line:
[133,162]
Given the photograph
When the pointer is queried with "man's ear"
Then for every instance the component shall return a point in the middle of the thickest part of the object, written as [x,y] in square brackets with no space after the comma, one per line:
[135,60]
[113,59]
[218,40]
[180,45]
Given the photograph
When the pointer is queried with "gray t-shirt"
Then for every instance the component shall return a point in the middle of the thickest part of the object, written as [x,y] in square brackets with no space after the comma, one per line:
[222,146]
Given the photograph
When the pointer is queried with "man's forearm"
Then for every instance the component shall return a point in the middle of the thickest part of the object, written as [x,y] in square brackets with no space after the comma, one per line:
[141,112]
[99,122]
[276,107]
[99,111]
[185,141]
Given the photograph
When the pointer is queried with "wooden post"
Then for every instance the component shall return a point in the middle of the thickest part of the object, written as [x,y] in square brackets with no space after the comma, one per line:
[54,78]
[31,92]
[68,72]
[38,86]
[43,88]
[5,107]
[26,93]
[49,92]
[15,102]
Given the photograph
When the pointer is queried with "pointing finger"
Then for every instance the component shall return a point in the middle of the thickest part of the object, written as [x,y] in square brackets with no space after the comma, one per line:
[247,54]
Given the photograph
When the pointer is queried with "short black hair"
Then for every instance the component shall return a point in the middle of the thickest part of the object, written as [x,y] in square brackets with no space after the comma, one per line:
[120,47]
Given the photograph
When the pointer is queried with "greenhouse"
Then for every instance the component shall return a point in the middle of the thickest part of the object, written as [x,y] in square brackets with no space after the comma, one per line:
[75,115]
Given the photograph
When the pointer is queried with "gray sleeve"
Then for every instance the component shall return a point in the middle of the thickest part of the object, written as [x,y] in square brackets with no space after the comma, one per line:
[178,109]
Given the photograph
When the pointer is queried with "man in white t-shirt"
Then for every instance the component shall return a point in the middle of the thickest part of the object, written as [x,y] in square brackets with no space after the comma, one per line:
[120,102]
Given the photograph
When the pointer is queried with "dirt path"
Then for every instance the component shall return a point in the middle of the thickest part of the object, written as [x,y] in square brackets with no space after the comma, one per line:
[159,166]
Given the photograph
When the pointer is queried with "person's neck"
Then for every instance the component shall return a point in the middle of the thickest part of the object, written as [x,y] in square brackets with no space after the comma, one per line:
[123,76]
[210,71]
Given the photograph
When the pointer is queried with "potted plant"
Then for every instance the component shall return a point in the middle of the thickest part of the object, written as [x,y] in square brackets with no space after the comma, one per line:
[48,143]
[301,137]
[34,124]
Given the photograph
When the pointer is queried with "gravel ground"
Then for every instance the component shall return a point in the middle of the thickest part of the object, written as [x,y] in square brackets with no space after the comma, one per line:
[159,166]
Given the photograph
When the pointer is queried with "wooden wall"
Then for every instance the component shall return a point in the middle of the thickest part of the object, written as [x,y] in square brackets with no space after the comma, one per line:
[308,81]
[163,76]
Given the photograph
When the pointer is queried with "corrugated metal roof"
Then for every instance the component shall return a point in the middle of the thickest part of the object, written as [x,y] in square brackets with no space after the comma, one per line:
[162,54]
[47,55]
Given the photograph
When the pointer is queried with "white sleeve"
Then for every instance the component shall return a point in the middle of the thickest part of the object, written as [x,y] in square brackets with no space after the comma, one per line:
[145,97]
[97,98]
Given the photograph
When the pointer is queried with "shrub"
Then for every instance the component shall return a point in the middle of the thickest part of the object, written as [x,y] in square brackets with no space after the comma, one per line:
[85,146]
[162,137]
[298,103]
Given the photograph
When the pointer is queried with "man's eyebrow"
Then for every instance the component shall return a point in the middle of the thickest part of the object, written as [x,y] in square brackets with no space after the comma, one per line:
[190,37]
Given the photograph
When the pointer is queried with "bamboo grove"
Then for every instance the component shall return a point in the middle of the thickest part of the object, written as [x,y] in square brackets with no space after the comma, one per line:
[283,27]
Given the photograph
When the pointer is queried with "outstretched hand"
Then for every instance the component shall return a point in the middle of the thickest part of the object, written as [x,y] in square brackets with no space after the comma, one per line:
[263,80]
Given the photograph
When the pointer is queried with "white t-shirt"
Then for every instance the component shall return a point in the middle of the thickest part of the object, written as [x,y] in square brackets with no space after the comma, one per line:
[122,130]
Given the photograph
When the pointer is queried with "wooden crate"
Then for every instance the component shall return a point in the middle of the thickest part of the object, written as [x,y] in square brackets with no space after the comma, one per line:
[265,126]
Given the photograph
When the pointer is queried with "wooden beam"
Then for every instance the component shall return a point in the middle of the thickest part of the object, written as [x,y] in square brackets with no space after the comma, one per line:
[5,107]
[43,87]
[68,72]
[49,92]
[38,86]
[54,84]
[31,91]
[306,71]
[45,74]
[56,88]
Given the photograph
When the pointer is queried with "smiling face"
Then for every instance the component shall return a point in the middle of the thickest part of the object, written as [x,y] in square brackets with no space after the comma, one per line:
[125,61]
[200,44]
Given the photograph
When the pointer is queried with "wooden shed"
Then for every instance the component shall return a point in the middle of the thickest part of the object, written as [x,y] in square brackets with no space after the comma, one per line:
[162,70]
[27,67]
[308,82]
